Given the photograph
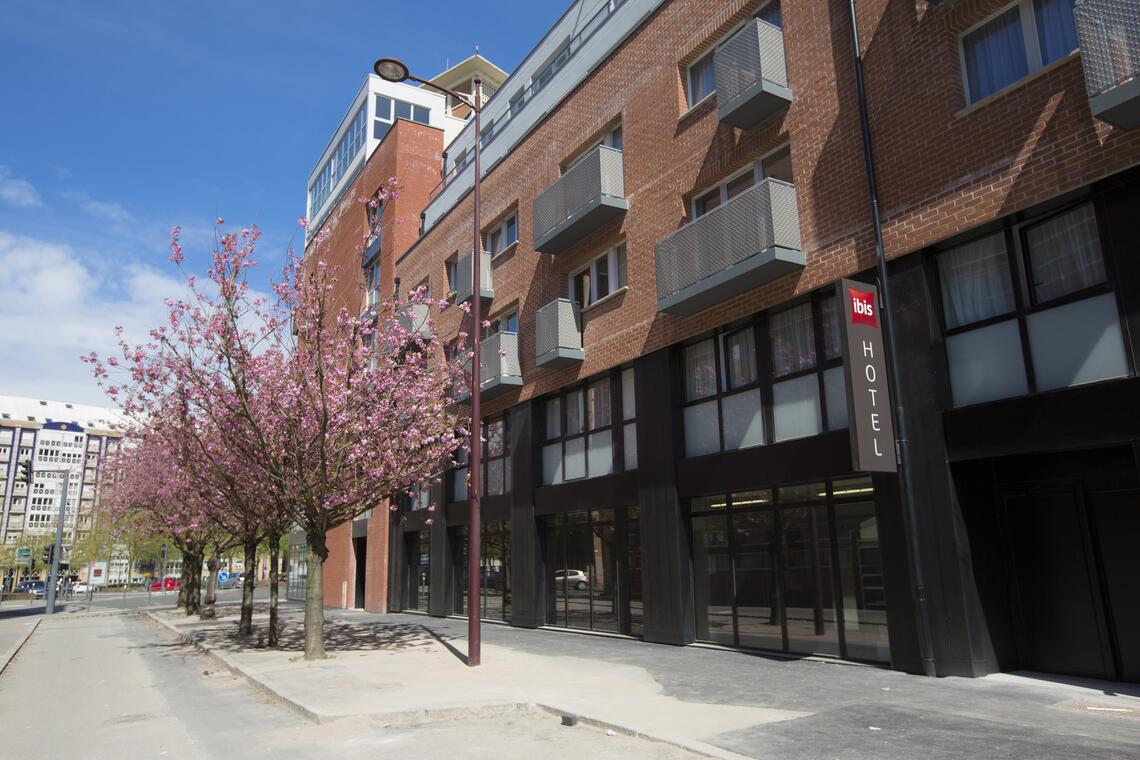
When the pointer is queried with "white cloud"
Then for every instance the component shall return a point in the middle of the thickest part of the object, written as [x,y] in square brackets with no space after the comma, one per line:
[18,192]
[56,304]
[107,211]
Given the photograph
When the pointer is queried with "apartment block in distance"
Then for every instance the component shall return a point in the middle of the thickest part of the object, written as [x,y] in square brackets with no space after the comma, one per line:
[52,435]
[672,191]
[390,131]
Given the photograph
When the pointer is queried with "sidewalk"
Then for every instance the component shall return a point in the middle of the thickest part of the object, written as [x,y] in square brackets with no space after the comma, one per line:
[408,668]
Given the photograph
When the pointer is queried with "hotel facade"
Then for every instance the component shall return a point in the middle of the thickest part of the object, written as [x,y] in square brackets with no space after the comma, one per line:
[671,191]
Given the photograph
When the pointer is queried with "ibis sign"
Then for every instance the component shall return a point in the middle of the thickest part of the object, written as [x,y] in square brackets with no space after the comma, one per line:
[865,370]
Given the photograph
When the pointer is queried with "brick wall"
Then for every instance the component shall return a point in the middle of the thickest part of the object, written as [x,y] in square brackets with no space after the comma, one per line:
[942,168]
[411,153]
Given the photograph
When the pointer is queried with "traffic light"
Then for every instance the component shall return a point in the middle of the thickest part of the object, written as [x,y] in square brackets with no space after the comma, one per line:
[49,554]
[24,471]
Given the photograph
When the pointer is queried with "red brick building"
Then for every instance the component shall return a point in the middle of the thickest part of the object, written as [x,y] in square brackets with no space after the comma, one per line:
[671,192]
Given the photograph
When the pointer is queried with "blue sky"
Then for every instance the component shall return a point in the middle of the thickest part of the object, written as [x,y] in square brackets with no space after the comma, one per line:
[122,119]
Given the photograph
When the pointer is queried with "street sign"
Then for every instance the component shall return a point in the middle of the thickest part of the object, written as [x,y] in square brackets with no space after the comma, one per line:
[23,555]
[223,576]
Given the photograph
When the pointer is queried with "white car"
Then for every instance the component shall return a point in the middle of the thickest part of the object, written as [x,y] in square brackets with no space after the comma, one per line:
[82,587]
[575,578]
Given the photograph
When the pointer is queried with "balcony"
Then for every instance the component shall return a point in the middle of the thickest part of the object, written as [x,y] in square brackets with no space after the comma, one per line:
[558,334]
[752,239]
[500,374]
[751,75]
[1109,32]
[464,279]
[370,252]
[413,319]
[589,194]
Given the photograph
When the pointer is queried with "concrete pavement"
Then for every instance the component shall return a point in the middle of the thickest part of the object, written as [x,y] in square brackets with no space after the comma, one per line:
[134,690]
[713,701]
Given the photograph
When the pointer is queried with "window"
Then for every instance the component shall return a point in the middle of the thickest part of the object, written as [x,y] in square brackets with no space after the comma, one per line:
[502,235]
[390,109]
[601,277]
[776,165]
[1016,42]
[452,268]
[702,78]
[508,323]
[496,457]
[372,287]
[741,390]
[581,426]
[701,75]
[1042,318]
[343,156]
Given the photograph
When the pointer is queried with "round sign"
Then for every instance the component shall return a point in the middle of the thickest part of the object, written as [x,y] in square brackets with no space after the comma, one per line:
[223,576]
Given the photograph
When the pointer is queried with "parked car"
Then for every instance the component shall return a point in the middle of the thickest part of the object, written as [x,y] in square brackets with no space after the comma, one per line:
[36,588]
[169,583]
[575,578]
[81,587]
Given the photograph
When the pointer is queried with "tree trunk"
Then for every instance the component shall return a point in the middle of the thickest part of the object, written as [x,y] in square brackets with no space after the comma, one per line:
[315,599]
[274,566]
[191,599]
[245,627]
[209,609]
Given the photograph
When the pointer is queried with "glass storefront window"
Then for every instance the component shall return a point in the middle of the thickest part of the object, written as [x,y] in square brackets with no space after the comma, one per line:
[766,570]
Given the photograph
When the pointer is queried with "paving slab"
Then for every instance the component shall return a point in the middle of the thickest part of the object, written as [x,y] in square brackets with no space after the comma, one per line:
[714,701]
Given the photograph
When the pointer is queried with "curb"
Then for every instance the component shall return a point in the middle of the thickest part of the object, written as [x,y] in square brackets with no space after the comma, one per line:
[408,718]
[7,657]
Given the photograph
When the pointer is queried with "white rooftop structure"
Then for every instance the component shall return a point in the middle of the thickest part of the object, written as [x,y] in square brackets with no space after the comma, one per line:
[39,411]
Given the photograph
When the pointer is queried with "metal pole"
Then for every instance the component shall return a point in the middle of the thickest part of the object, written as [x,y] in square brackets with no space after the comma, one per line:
[54,576]
[475,460]
[925,643]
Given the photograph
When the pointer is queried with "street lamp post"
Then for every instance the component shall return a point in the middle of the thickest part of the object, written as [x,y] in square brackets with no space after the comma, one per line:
[392,70]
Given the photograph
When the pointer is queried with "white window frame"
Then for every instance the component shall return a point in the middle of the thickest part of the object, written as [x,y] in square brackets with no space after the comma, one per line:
[451,272]
[500,228]
[1033,61]
[709,54]
[500,320]
[756,166]
[612,269]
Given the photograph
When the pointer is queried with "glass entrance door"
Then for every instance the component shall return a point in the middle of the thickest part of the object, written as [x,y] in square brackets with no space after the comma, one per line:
[766,566]
[589,562]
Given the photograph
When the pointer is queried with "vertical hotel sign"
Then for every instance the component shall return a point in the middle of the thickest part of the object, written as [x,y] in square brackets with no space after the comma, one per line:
[865,370]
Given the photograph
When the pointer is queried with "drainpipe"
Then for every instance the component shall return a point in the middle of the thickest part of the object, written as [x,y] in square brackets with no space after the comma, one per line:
[926,646]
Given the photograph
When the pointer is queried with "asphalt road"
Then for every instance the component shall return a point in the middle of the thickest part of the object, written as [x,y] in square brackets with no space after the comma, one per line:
[131,690]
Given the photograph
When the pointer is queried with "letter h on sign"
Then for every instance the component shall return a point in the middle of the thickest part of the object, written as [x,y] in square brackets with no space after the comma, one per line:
[865,373]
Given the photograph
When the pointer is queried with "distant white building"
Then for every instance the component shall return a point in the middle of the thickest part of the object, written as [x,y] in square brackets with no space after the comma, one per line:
[52,435]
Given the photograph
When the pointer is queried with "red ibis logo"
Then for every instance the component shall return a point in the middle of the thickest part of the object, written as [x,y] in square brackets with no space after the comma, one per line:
[863,308]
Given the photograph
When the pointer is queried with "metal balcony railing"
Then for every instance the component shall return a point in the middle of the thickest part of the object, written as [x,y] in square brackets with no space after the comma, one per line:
[499,373]
[586,196]
[748,241]
[1109,33]
[558,334]
[464,278]
[413,318]
[751,75]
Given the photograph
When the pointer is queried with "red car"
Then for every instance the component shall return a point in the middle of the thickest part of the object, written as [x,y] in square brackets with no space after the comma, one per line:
[166,584]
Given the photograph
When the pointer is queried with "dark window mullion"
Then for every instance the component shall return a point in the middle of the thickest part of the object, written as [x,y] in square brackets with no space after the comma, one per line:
[817,331]
[720,384]
[1020,285]
[765,377]
[836,580]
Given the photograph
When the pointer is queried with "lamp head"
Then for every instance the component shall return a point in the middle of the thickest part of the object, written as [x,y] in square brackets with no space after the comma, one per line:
[390,70]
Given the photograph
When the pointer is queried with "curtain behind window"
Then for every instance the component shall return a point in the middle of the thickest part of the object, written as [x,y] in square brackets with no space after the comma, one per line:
[793,340]
[700,370]
[975,281]
[995,55]
[1056,29]
[1064,254]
